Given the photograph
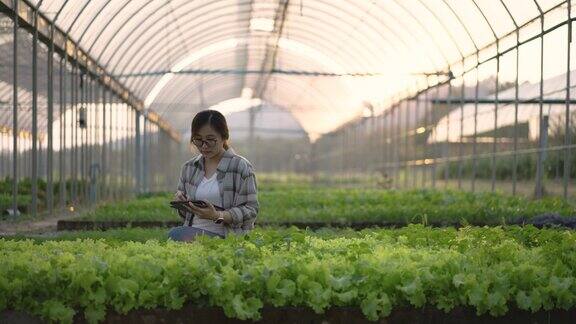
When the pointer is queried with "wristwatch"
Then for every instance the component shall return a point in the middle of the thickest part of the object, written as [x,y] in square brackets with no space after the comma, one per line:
[220,219]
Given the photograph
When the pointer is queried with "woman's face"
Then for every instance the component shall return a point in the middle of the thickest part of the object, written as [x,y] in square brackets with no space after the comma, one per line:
[208,141]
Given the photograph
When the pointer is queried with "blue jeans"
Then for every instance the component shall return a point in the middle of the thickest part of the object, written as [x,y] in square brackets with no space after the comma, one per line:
[189,233]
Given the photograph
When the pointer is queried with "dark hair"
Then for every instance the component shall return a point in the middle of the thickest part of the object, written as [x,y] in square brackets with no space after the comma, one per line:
[213,118]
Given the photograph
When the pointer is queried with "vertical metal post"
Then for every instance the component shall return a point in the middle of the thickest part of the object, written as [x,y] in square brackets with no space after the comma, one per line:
[433,113]
[145,153]
[426,127]
[496,104]
[540,160]
[3,159]
[351,150]
[15,111]
[516,98]
[384,139]
[113,169]
[5,162]
[62,152]
[384,145]
[357,150]
[92,168]
[389,148]
[90,112]
[397,137]
[354,149]
[406,135]
[128,148]
[373,136]
[393,148]
[121,123]
[82,111]
[567,133]
[2,149]
[77,148]
[346,150]
[117,150]
[461,142]
[41,163]
[124,148]
[84,134]
[50,148]
[104,155]
[388,142]
[475,138]
[446,154]
[73,131]
[131,155]
[138,159]
[133,116]
[95,140]
[415,154]
[118,154]
[378,143]
[34,207]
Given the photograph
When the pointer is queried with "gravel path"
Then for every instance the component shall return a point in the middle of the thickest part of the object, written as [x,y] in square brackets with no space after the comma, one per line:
[39,226]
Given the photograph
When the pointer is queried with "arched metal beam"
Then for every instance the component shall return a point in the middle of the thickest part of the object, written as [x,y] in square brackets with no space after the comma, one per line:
[464,26]
[54,21]
[156,23]
[157,44]
[117,31]
[459,19]
[112,18]
[226,33]
[133,42]
[318,40]
[119,10]
[182,86]
[76,18]
[222,83]
[486,20]
[426,31]
[92,21]
[318,94]
[150,42]
[446,30]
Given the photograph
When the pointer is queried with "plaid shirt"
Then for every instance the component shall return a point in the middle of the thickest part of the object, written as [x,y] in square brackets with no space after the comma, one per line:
[237,184]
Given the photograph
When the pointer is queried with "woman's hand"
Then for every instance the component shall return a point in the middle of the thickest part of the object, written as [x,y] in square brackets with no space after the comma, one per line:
[209,212]
[180,196]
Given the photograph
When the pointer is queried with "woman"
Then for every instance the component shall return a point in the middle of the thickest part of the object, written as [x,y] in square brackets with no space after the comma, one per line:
[219,177]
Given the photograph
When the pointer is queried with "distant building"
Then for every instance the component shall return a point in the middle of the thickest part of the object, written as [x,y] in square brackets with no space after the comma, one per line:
[554,107]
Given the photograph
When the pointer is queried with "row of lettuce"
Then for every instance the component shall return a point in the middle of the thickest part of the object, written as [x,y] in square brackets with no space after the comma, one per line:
[294,198]
[81,187]
[491,270]
[308,204]
[24,196]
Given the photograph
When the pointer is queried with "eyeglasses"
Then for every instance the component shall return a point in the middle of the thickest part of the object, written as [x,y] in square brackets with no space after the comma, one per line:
[209,142]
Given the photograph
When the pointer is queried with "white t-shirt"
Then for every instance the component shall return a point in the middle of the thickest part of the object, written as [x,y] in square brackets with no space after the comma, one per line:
[208,190]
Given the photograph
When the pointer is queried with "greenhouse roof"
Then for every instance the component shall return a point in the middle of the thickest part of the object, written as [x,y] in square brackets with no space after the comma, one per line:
[322,60]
